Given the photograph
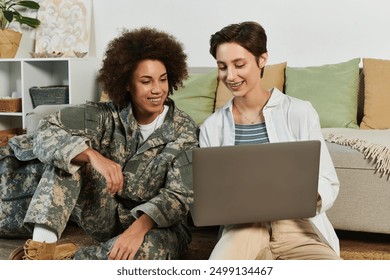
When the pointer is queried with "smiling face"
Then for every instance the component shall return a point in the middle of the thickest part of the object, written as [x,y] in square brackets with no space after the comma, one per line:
[149,90]
[238,69]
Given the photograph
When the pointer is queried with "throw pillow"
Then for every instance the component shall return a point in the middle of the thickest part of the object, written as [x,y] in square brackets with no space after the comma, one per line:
[376,94]
[332,89]
[273,77]
[198,95]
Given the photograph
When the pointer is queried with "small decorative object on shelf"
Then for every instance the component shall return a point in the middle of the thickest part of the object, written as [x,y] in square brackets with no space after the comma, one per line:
[8,104]
[46,54]
[49,95]
[80,54]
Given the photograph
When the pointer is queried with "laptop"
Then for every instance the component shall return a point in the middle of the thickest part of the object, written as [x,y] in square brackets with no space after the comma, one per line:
[255,182]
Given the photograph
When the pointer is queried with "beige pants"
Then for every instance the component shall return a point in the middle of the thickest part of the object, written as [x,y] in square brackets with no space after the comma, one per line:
[278,240]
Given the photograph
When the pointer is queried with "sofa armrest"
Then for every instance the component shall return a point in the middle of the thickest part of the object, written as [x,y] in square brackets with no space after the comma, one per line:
[33,117]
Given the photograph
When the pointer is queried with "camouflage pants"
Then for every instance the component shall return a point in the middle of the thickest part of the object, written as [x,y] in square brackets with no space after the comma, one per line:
[18,181]
[59,195]
[159,244]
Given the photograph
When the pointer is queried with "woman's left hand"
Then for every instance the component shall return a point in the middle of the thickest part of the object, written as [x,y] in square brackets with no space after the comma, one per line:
[128,243]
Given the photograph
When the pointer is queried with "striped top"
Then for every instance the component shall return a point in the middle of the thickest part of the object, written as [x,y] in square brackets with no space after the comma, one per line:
[251,134]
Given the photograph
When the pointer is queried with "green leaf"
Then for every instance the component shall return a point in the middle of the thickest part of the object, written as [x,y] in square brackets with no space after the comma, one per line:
[7,8]
[9,16]
[32,22]
[28,4]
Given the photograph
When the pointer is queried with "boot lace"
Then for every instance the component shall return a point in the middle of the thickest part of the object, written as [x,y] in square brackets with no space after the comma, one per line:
[31,252]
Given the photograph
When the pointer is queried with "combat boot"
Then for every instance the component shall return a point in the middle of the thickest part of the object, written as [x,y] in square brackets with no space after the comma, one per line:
[33,250]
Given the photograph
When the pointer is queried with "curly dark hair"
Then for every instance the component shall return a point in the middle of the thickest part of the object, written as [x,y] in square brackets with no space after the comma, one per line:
[124,53]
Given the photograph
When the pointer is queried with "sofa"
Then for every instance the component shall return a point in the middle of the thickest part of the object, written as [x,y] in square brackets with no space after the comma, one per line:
[352,99]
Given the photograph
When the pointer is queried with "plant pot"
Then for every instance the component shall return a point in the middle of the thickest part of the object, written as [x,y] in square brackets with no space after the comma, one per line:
[9,43]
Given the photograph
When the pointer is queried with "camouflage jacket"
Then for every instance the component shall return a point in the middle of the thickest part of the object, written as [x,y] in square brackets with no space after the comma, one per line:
[157,172]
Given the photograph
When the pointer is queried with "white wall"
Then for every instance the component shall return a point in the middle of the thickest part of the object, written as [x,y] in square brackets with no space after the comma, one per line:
[302,32]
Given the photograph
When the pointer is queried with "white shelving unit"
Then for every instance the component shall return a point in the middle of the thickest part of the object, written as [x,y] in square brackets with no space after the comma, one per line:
[21,74]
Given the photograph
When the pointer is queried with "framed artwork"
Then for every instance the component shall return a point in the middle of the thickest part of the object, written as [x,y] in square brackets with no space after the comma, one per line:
[65,27]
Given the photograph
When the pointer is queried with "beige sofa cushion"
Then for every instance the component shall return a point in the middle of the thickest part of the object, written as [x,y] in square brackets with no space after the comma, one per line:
[347,157]
[376,94]
[273,77]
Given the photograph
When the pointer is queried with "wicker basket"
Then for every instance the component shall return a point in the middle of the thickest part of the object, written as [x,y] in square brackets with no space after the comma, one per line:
[49,95]
[10,104]
[7,134]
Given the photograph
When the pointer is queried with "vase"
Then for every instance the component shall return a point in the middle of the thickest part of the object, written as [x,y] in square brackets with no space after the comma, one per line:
[9,43]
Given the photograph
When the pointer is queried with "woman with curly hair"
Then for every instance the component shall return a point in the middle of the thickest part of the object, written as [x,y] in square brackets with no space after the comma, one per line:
[119,168]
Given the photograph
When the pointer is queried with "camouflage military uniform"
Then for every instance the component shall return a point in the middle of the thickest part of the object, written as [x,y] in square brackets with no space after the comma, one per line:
[157,178]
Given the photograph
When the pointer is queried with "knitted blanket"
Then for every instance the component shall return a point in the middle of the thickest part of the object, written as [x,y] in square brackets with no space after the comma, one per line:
[374,144]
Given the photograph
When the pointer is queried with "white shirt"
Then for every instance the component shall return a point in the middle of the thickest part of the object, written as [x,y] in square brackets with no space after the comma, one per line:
[287,119]
[147,129]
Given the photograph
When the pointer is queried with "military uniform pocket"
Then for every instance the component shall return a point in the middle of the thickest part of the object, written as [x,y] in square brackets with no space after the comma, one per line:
[12,214]
[184,161]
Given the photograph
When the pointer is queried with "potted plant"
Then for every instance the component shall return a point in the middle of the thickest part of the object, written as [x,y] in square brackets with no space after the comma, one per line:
[11,10]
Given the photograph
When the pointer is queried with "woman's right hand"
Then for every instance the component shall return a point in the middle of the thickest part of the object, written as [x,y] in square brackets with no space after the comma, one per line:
[110,170]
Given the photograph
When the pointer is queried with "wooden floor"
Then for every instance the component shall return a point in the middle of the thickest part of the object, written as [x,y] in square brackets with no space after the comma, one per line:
[204,239]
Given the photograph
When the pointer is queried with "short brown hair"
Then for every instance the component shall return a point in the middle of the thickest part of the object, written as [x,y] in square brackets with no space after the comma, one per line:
[124,53]
[249,34]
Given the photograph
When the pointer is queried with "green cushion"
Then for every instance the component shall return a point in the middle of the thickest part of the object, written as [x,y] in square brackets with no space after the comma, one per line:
[198,95]
[332,89]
